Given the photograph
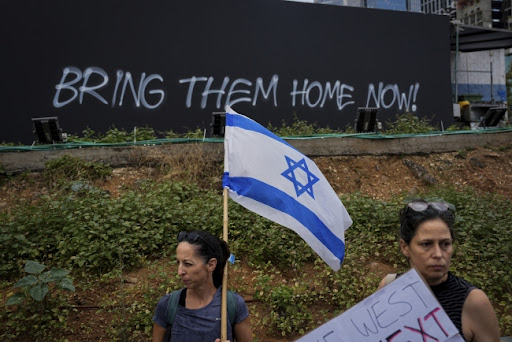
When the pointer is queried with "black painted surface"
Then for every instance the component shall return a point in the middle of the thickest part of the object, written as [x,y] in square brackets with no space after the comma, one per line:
[236,42]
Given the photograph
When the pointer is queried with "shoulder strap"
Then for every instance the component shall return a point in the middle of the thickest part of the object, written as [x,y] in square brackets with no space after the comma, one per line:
[390,277]
[231,307]
[172,306]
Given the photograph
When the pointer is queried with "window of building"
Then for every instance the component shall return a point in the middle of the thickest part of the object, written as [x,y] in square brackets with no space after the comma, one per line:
[478,20]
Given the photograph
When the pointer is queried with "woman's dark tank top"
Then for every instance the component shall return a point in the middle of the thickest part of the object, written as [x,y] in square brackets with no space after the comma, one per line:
[452,294]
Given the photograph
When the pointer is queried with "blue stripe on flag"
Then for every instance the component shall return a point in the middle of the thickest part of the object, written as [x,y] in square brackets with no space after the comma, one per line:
[279,200]
[225,180]
[237,120]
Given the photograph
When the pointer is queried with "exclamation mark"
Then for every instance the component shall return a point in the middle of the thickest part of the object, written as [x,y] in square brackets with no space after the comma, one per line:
[416,87]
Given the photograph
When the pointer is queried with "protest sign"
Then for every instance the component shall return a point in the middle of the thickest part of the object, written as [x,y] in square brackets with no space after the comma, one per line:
[404,310]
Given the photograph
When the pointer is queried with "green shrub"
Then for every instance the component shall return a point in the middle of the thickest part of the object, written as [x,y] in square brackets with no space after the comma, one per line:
[267,241]
[93,233]
[198,133]
[68,168]
[40,310]
[289,311]
[408,123]
[114,135]
[288,306]
[144,133]
[37,284]
[132,313]
[300,128]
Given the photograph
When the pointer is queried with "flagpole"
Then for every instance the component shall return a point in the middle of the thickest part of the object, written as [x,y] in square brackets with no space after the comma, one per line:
[224,321]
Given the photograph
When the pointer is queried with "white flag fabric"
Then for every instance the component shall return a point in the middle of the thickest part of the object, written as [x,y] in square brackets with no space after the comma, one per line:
[270,177]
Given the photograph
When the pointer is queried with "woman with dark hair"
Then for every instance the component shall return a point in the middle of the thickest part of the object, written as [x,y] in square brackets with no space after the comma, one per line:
[426,240]
[196,315]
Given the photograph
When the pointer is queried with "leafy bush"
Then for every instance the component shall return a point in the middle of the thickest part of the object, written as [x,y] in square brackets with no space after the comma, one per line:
[68,168]
[40,310]
[132,316]
[266,240]
[289,311]
[288,304]
[115,135]
[300,127]
[198,133]
[459,127]
[94,233]
[37,284]
[408,123]
[375,223]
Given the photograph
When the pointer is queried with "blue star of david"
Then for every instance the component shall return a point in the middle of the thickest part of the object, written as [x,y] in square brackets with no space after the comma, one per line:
[291,176]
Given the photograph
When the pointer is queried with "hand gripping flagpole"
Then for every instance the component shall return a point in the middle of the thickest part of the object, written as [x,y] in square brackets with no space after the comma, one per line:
[224,322]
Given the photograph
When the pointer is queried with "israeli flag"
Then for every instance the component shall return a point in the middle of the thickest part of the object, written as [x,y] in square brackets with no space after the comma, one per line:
[270,177]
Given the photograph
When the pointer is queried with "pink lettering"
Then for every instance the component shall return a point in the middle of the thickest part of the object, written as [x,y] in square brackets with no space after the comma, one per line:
[432,314]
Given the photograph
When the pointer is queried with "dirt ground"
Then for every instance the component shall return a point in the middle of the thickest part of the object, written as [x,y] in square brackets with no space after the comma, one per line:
[486,170]
[483,169]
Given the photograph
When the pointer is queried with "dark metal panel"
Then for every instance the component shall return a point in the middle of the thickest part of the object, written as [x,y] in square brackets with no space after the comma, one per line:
[473,38]
[171,64]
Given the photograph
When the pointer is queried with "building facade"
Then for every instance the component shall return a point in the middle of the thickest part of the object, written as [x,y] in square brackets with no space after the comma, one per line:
[394,5]
[480,77]
[482,73]
[444,7]
[485,13]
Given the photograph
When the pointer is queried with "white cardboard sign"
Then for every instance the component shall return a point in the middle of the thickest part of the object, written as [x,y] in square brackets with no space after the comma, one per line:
[404,310]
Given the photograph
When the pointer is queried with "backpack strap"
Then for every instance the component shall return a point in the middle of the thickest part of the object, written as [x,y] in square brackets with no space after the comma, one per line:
[231,307]
[174,297]
[172,306]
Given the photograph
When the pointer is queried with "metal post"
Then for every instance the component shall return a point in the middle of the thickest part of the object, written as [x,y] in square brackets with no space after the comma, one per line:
[456,62]
[492,90]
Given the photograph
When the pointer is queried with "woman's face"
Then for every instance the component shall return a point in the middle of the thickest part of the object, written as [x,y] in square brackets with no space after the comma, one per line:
[194,273]
[430,250]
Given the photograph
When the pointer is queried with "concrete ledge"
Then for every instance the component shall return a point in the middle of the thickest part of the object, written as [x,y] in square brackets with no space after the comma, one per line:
[16,162]
[398,145]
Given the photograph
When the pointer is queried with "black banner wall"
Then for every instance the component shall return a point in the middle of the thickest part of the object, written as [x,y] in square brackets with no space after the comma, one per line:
[170,64]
